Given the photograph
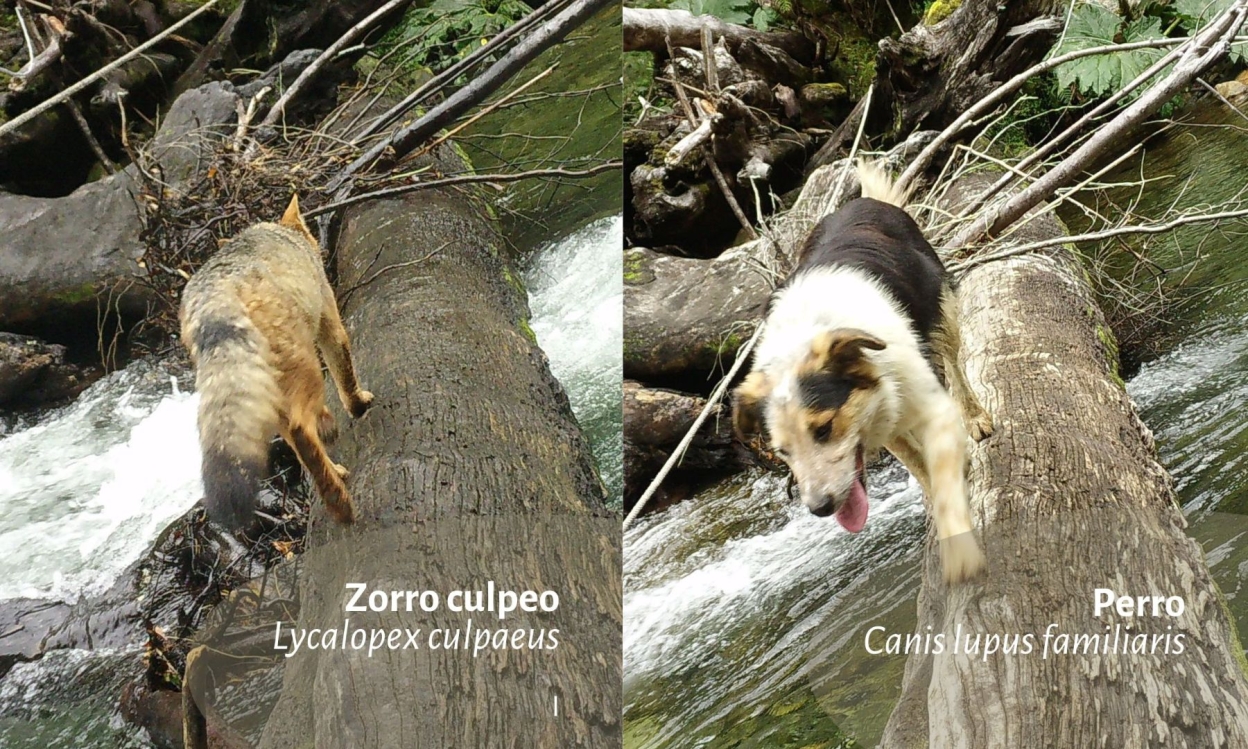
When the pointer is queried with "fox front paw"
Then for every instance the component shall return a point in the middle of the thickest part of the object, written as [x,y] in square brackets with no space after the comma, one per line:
[360,403]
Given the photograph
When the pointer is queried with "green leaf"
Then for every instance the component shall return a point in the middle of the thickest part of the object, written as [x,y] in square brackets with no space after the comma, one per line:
[732,11]
[764,18]
[1200,11]
[1091,26]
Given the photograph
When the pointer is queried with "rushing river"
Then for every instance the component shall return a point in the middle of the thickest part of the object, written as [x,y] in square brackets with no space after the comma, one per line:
[576,294]
[86,488]
[729,594]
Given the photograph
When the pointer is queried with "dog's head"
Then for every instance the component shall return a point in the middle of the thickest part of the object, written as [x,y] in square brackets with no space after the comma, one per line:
[820,417]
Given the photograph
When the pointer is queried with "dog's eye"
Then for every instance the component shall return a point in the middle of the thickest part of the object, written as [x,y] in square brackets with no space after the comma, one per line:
[823,432]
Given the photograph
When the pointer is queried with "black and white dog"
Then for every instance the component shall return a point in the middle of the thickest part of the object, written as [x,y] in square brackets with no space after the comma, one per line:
[850,360]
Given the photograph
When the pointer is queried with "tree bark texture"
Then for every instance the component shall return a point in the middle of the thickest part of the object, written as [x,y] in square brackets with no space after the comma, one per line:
[1068,497]
[468,468]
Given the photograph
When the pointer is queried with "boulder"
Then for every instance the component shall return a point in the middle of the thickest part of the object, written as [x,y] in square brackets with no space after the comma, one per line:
[33,372]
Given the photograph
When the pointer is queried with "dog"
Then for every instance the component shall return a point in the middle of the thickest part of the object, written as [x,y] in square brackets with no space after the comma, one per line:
[253,318]
[850,361]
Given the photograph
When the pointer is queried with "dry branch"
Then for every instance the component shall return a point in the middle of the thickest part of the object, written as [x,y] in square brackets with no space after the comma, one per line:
[39,109]
[409,138]
[469,62]
[279,107]
[650,29]
[1210,45]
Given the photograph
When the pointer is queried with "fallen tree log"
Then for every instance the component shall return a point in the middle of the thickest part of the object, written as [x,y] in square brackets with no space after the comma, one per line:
[1069,467]
[684,317]
[468,467]
[655,420]
[650,29]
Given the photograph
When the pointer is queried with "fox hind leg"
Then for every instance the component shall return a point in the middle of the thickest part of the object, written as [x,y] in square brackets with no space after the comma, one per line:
[305,393]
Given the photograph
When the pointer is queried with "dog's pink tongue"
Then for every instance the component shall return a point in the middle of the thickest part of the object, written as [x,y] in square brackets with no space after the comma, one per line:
[853,514]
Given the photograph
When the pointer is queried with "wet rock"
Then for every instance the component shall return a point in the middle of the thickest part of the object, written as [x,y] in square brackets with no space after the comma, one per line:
[24,628]
[63,254]
[67,258]
[197,120]
[158,711]
[34,372]
[111,620]
[685,318]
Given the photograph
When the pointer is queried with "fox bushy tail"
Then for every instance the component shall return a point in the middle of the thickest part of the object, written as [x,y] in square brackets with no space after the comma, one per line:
[238,413]
[877,184]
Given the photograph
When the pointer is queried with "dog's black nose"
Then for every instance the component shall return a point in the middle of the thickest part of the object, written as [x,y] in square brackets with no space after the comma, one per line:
[825,508]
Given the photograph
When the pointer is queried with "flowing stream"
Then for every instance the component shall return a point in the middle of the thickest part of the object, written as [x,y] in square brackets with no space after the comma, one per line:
[576,293]
[85,489]
[729,595]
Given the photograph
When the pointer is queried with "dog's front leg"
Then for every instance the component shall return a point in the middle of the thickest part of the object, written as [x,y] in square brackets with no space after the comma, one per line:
[943,448]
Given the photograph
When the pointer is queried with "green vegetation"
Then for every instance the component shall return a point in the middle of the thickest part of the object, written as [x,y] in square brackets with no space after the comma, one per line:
[939,11]
[435,36]
[1092,25]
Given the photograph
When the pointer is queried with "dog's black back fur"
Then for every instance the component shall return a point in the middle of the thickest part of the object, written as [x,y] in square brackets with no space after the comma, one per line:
[883,241]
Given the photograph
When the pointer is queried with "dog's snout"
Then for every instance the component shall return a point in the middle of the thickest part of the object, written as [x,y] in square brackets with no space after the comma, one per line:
[822,506]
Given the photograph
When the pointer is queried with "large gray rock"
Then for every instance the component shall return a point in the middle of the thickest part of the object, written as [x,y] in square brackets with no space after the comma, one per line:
[59,255]
[62,259]
[686,317]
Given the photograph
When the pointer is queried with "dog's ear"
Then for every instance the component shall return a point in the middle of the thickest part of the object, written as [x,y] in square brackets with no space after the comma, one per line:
[841,349]
[747,402]
[293,218]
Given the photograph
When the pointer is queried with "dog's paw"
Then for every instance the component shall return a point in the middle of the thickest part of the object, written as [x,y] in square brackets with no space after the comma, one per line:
[341,470]
[961,558]
[327,426]
[360,403]
[980,426]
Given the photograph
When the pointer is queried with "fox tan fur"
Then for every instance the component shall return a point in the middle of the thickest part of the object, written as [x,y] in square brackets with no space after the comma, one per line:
[253,318]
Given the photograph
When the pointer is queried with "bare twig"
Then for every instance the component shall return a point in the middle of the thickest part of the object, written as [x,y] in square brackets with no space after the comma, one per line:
[989,102]
[21,21]
[488,109]
[1096,236]
[1208,46]
[85,127]
[279,107]
[47,104]
[245,115]
[742,355]
[464,180]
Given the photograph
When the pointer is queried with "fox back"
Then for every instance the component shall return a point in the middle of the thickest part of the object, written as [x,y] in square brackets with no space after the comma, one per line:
[251,318]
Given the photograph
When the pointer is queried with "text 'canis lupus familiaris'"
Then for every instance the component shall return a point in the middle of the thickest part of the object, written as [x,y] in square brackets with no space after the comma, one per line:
[253,318]
[842,369]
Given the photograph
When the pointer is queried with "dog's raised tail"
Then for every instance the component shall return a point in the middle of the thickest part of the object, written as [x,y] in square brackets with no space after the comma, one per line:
[238,413]
[877,184]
